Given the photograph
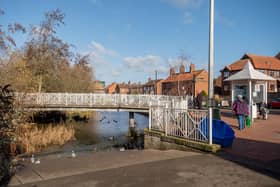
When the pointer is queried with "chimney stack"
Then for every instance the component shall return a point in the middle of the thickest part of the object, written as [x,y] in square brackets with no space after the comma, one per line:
[172,72]
[278,56]
[182,69]
[192,67]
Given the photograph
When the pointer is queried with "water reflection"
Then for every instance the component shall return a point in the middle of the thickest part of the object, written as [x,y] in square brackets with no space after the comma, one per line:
[110,129]
[116,123]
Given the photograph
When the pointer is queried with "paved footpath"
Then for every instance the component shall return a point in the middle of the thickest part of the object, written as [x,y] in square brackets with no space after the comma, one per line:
[258,145]
[139,168]
[261,141]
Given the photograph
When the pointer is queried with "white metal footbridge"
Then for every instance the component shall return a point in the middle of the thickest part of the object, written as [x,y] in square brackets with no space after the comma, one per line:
[169,114]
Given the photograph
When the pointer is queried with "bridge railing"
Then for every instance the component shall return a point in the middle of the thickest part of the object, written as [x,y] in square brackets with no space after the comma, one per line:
[93,100]
[185,123]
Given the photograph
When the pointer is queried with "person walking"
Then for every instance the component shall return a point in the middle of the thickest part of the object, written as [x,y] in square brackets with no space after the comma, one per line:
[240,108]
[263,111]
[199,99]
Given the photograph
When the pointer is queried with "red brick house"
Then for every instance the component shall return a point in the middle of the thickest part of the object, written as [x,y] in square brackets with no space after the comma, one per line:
[152,87]
[135,88]
[265,64]
[185,83]
[111,89]
[125,88]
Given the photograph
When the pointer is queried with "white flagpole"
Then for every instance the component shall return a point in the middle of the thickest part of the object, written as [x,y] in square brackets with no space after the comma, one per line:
[210,69]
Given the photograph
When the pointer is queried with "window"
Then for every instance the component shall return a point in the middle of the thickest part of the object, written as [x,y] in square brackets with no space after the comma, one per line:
[276,73]
[272,87]
[262,70]
[226,87]
[272,73]
[226,74]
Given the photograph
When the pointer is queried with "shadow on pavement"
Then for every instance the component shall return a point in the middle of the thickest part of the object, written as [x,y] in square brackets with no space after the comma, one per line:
[262,157]
[226,113]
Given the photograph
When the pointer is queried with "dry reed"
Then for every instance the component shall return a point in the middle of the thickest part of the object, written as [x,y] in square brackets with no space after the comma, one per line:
[33,138]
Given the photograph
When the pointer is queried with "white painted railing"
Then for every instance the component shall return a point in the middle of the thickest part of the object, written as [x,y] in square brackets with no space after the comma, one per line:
[95,100]
[186,123]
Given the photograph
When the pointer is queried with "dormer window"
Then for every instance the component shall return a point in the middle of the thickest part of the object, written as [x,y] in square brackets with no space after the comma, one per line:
[271,73]
[226,74]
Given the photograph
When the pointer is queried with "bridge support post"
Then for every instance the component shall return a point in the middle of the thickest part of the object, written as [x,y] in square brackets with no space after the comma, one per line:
[131,119]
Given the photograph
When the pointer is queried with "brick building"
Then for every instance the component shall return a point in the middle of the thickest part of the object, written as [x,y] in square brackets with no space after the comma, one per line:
[135,88]
[111,89]
[122,88]
[98,86]
[185,83]
[265,64]
[153,87]
[125,88]
[218,85]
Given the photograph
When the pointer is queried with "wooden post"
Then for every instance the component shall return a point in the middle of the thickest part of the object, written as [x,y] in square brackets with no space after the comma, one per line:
[131,119]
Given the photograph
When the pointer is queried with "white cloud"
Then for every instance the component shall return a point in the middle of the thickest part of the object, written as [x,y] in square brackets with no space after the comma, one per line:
[151,63]
[99,50]
[188,18]
[146,63]
[99,54]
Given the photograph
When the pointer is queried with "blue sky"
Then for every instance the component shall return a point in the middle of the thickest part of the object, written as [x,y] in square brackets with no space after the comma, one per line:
[130,39]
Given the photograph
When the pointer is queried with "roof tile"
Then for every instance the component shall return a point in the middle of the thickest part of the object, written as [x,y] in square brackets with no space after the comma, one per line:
[259,62]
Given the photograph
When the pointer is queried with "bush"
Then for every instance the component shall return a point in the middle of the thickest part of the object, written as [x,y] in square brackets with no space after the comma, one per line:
[7,129]
[204,94]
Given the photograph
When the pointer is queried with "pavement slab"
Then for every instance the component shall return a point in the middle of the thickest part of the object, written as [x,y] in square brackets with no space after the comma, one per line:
[196,170]
[55,167]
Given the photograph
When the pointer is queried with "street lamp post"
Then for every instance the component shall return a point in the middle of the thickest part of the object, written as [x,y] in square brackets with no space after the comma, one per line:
[155,84]
[210,69]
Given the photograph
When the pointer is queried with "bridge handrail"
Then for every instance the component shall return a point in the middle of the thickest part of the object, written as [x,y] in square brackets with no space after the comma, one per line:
[97,99]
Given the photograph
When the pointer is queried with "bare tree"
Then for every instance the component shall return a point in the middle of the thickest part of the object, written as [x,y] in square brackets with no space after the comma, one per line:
[45,50]
[6,39]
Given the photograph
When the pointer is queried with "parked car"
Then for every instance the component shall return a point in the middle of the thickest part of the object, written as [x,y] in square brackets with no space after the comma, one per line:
[275,103]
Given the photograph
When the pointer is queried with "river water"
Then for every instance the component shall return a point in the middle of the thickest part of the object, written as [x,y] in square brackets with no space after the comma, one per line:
[106,131]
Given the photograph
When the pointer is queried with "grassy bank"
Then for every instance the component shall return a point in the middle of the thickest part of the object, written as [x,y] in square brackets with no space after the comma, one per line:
[32,138]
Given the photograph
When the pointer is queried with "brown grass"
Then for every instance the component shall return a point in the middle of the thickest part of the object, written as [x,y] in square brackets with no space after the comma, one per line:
[33,138]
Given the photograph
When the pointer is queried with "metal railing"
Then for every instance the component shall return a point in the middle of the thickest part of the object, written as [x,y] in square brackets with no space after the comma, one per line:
[95,100]
[191,124]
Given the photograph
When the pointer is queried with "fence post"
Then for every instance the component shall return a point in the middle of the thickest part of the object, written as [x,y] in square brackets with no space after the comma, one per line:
[210,125]
[166,119]
[150,116]
[37,98]
[66,99]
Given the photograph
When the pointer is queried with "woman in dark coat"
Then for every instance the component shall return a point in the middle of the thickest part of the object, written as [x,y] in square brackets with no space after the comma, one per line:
[240,108]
